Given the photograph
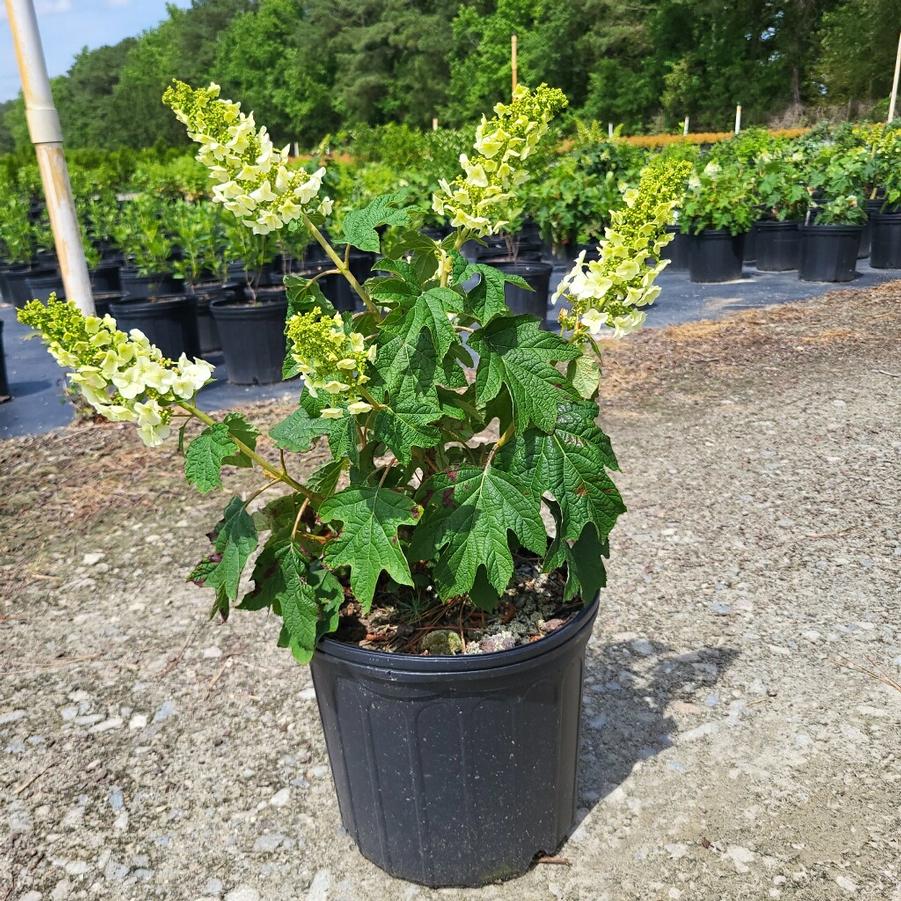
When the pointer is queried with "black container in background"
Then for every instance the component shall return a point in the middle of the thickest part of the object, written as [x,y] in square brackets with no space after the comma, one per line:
[169,322]
[103,299]
[207,331]
[40,287]
[17,284]
[677,250]
[778,245]
[4,383]
[866,235]
[105,278]
[749,253]
[455,771]
[252,337]
[715,255]
[828,252]
[538,276]
[156,284]
[885,249]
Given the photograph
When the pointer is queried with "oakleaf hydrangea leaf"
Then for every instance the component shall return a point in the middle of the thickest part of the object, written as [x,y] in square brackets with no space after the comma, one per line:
[407,424]
[297,599]
[360,225]
[491,503]
[516,354]
[570,464]
[488,298]
[247,434]
[205,456]
[234,540]
[368,541]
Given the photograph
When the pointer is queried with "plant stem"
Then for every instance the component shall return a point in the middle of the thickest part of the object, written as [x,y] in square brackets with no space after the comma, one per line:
[340,265]
[508,434]
[251,454]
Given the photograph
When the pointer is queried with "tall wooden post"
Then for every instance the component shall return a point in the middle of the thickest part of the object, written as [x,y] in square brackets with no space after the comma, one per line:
[894,98]
[513,61]
[47,137]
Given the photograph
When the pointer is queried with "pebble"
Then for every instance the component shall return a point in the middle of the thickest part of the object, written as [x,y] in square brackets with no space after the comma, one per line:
[676,850]
[212,652]
[243,893]
[308,694]
[213,887]
[31,896]
[701,731]
[740,856]
[12,717]
[281,798]
[114,722]
[61,890]
[166,709]
[77,867]
[718,608]
[846,884]
[268,843]
[92,559]
[320,885]
[69,713]
[138,721]
[642,647]
[115,871]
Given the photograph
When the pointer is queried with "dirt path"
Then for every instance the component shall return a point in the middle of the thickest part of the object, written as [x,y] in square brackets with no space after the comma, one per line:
[728,753]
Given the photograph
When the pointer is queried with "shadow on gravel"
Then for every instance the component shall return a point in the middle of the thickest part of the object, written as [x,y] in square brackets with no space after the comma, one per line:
[628,687]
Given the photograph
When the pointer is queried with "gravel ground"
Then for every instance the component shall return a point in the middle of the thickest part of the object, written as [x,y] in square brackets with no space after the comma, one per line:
[730,750]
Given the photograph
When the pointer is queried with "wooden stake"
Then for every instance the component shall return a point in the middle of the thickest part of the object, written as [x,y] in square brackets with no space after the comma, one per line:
[513,63]
[894,99]
[47,138]
[685,126]
[738,118]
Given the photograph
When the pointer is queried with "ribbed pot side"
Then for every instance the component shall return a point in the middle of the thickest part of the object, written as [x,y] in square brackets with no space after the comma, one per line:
[456,771]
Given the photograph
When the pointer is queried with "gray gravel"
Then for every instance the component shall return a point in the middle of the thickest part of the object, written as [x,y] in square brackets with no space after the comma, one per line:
[728,753]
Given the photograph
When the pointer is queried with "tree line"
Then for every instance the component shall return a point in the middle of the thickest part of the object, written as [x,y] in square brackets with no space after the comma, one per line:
[312,68]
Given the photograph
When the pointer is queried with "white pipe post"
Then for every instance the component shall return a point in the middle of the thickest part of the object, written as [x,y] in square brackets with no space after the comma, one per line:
[685,126]
[610,130]
[434,123]
[894,99]
[47,137]
[514,62]
[738,118]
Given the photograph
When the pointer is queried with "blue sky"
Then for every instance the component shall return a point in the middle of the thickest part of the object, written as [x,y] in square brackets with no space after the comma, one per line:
[68,25]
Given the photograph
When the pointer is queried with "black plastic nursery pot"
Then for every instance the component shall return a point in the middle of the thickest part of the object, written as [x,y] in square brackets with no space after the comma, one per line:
[207,330]
[873,207]
[749,251]
[455,771]
[4,384]
[525,248]
[17,284]
[828,252]
[715,255]
[40,287]
[252,337]
[105,277]
[103,300]
[168,321]
[155,284]
[778,245]
[538,276]
[885,247]
[677,249]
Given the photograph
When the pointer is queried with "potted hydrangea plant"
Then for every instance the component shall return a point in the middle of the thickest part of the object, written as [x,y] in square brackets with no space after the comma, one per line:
[718,212]
[444,617]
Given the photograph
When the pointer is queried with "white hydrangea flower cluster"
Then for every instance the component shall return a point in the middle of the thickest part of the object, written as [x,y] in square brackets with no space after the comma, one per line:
[476,201]
[252,177]
[331,360]
[612,291]
[123,377]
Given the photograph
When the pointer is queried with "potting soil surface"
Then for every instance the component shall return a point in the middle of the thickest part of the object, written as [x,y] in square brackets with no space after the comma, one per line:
[742,701]
[36,383]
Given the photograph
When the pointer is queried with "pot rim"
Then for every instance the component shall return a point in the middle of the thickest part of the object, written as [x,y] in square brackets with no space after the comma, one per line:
[160,302]
[832,228]
[787,224]
[509,262]
[230,308]
[458,663]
